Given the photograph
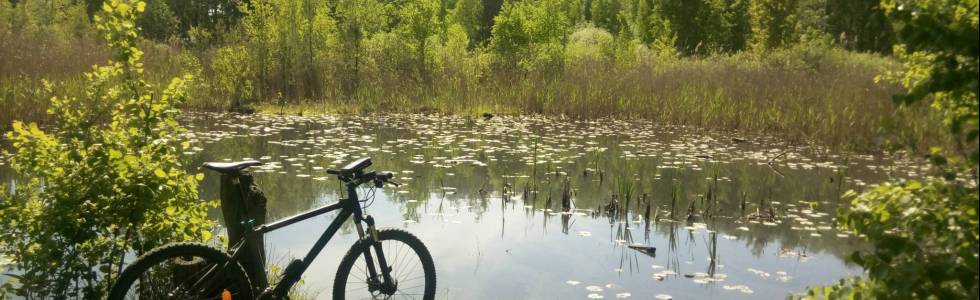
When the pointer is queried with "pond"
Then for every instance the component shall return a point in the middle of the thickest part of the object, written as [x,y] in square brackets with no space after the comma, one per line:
[731,216]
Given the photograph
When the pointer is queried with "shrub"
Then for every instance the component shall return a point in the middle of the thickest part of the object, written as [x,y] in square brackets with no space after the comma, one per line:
[590,43]
[232,75]
[105,180]
[925,234]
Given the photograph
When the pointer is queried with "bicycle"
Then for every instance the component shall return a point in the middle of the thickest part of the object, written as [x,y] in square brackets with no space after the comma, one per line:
[198,271]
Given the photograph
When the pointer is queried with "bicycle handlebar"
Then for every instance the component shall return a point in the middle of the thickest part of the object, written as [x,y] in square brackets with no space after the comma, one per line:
[379,179]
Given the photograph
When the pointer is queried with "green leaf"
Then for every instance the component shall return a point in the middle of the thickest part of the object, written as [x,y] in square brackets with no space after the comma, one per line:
[114,154]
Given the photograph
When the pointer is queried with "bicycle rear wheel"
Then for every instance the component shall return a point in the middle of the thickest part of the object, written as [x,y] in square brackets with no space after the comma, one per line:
[412,270]
[182,271]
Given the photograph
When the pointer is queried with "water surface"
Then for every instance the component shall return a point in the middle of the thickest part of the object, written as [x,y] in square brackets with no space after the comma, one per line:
[731,216]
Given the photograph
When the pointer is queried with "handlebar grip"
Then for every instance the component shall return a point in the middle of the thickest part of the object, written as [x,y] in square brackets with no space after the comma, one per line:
[333,172]
[381,178]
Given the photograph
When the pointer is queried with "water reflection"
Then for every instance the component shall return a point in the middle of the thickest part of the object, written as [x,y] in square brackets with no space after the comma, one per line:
[536,207]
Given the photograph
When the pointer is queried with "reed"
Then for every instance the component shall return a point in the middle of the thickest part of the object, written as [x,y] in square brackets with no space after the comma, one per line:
[841,175]
[827,96]
[712,254]
[646,213]
[743,198]
[674,197]
[566,194]
[830,97]
[625,188]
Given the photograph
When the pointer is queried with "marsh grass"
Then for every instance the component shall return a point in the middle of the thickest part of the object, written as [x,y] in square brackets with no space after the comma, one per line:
[825,96]
[37,65]
[625,188]
[30,57]
[712,254]
[828,97]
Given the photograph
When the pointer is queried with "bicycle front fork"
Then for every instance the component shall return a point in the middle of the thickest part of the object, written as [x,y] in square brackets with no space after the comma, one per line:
[384,284]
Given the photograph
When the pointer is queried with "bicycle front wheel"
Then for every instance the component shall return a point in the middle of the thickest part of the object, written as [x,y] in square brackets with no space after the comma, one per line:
[182,271]
[412,270]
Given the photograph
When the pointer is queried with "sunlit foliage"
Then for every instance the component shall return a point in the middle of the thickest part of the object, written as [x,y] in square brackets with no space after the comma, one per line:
[419,23]
[104,180]
[925,234]
[590,44]
[530,35]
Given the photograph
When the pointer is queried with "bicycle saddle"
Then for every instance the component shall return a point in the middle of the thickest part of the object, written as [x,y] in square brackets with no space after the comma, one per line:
[231,167]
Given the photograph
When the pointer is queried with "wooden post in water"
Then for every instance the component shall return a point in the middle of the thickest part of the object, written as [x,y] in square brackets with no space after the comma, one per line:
[242,201]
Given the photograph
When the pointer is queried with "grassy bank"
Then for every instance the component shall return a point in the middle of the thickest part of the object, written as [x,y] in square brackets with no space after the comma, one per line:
[828,97]
[819,95]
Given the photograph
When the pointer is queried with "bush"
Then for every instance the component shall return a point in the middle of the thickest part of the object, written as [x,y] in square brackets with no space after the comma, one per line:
[925,235]
[924,239]
[106,179]
[233,76]
[591,44]
[458,65]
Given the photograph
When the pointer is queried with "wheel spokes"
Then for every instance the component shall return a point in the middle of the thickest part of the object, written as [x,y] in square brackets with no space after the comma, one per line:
[406,270]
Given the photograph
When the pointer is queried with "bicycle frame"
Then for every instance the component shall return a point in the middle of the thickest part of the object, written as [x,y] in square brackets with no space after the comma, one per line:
[348,207]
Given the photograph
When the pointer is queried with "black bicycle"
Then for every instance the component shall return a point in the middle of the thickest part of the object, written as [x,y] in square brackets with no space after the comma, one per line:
[382,264]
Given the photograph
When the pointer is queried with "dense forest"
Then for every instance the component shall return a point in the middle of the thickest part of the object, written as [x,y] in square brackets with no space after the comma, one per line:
[786,64]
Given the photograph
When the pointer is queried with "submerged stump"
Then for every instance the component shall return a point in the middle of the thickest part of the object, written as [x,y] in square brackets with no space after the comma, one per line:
[242,201]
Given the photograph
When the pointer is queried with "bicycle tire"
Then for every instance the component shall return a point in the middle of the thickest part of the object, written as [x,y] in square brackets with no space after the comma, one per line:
[233,280]
[417,248]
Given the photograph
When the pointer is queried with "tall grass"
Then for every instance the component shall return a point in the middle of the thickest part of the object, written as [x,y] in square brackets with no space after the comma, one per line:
[37,65]
[828,96]
[802,93]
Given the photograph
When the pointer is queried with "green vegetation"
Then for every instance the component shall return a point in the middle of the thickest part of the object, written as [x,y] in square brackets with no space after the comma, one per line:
[104,179]
[103,176]
[925,233]
[801,69]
